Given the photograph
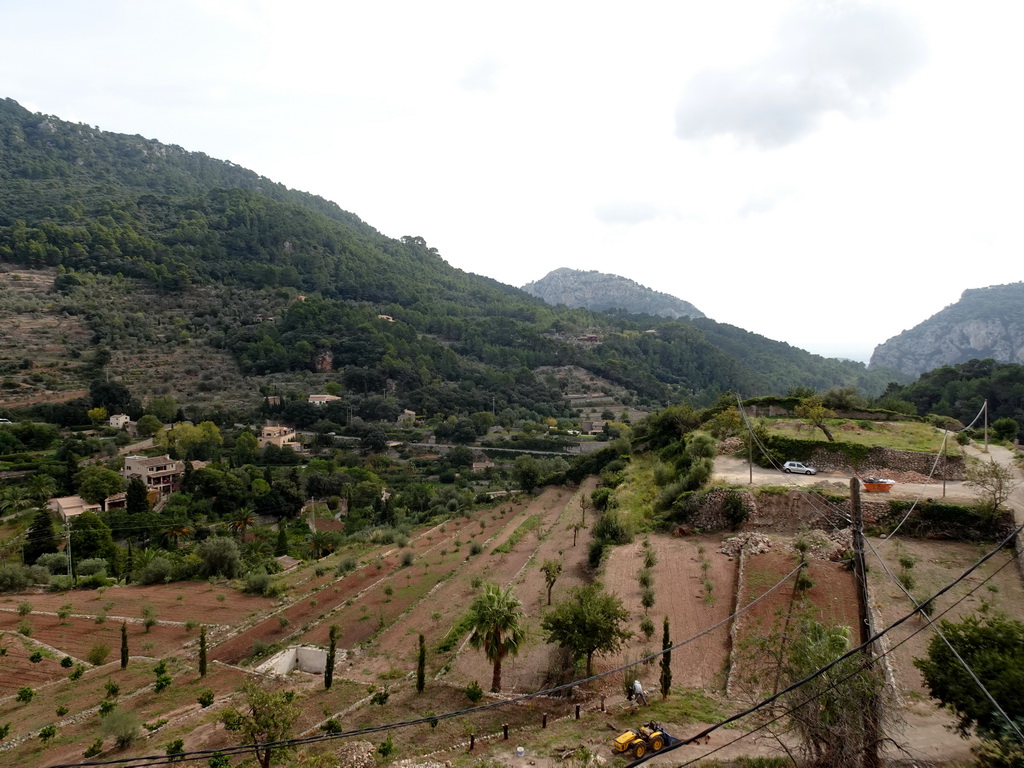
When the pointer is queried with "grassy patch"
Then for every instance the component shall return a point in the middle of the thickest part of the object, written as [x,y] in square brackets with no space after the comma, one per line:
[533,521]
[447,643]
[636,496]
[898,435]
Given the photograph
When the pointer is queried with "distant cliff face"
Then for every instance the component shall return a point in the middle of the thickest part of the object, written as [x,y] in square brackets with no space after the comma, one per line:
[985,323]
[599,291]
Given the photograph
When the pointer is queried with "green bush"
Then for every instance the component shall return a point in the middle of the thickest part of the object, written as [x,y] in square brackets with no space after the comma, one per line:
[474,692]
[97,654]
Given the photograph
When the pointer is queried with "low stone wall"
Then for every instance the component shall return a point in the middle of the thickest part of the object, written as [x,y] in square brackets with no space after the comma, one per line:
[881,459]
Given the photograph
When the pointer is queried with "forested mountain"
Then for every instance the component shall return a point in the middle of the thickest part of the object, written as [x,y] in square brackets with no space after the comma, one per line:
[161,251]
[600,291]
[985,323]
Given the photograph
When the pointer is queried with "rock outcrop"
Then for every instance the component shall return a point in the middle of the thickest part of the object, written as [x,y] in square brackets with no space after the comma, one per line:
[600,291]
[985,323]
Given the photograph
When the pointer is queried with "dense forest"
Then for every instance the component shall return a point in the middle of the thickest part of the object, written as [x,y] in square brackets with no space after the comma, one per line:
[85,201]
[960,391]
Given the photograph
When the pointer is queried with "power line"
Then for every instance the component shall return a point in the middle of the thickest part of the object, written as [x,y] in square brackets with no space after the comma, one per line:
[469,710]
[861,667]
[200,754]
[874,638]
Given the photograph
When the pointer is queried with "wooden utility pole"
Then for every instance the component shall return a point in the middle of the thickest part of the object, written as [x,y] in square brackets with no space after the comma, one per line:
[873,708]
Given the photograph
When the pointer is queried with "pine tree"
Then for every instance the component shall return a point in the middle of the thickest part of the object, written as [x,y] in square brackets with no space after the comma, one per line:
[202,651]
[666,661]
[329,669]
[124,644]
[421,666]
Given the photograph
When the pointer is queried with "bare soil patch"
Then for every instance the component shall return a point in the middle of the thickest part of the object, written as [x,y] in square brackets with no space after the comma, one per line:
[181,602]
[680,595]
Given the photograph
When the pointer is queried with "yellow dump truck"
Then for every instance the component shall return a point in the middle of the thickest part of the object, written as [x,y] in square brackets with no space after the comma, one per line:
[649,737]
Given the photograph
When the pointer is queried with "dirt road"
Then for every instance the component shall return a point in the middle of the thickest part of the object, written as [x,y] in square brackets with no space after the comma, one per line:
[736,471]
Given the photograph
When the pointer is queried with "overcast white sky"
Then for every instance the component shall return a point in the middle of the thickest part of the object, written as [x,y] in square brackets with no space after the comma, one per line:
[826,173]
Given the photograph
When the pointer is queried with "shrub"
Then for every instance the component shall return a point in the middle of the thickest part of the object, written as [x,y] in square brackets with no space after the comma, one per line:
[54,562]
[94,749]
[92,566]
[47,732]
[61,711]
[162,682]
[14,578]
[25,628]
[176,747]
[106,707]
[67,662]
[122,725]
[24,608]
[25,694]
[36,657]
[64,611]
[148,617]
[476,548]
[647,598]
[112,689]
[645,578]
[205,697]
[220,557]
[647,627]
[77,672]
[259,582]
[610,528]
[97,655]
[157,571]
[407,558]
[474,692]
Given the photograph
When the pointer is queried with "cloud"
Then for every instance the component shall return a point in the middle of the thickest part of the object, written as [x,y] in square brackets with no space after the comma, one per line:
[831,57]
[481,76]
[763,202]
[623,212]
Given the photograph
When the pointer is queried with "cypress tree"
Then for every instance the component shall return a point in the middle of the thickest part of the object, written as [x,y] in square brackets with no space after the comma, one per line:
[202,651]
[124,644]
[421,666]
[666,661]
[329,668]
[282,541]
[41,537]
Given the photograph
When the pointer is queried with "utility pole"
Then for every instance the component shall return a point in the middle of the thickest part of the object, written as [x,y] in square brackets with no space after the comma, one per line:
[985,409]
[67,532]
[872,712]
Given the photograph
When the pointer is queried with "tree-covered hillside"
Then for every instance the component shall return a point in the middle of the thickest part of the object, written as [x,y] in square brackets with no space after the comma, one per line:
[83,201]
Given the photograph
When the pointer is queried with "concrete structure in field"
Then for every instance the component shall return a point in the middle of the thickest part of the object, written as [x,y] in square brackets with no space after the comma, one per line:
[298,658]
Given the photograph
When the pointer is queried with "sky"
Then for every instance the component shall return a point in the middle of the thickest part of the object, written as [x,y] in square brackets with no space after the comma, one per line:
[827,174]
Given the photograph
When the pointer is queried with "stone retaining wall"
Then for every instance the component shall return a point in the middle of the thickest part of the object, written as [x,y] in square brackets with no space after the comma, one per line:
[881,459]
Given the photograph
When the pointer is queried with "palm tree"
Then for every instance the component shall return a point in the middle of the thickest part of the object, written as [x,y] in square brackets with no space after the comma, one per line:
[320,544]
[241,521]
[497,627]
[15,500]
[41,488]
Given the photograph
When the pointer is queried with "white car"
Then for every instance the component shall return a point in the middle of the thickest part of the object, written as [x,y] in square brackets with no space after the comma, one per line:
[800,469]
